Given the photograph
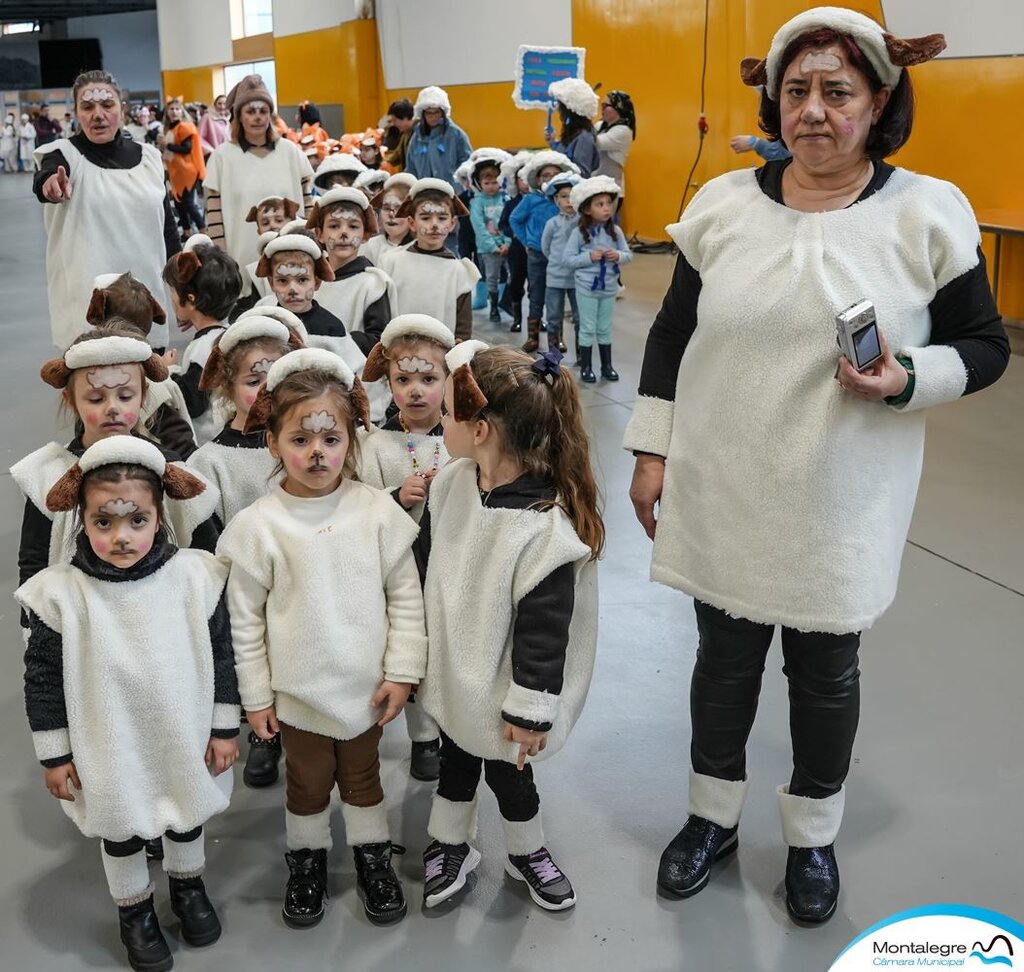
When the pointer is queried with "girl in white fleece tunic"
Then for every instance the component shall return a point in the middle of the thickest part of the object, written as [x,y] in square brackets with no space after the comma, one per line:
[510,539]
[327,623]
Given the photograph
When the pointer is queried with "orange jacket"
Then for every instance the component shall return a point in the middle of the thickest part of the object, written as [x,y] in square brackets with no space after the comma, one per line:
[184,170]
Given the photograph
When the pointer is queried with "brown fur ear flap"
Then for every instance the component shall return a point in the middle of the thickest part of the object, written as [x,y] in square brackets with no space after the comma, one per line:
[55,373]
[459,207]
[154,368]
[907,51]
[188,265]
[376,366]
[322,269]
[361,402]
[372,225]
[159,314]
[754,71]
[407,208]
[263,267]
[259,414]
[180,484]
[250,217]
[313,220]
[213,371]
[377,200]
[468,399]
[291,207]
[96,312]
[295,341]
[63,495]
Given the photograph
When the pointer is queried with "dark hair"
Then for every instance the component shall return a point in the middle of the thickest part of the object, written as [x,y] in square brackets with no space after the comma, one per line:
[481,169]
[425,129]
[623,104]
[324,181]
[214,287]
[587,222]
[572,124]
[268,345]
[892,129]
[309,114]
[92,77]
[402,108]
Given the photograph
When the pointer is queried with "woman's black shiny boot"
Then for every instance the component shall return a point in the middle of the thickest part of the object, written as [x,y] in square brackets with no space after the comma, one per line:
[812,883]
[686,863]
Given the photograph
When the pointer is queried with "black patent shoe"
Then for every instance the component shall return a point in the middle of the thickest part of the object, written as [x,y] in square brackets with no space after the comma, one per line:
[155,849]
[425,763]
[812,884]
[261,763]
[379,887]
[306,895]
[199,923]
[143,939]
[686,863]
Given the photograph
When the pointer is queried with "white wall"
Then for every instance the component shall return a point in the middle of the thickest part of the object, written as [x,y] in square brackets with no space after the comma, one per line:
[193,33]
[300,16]
[464,41]
[131,51]
[982,28]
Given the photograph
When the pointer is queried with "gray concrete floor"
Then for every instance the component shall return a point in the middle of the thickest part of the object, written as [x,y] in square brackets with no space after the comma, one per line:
[934,797]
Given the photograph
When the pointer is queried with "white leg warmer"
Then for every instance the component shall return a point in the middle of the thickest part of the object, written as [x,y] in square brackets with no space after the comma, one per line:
[185,860]
[523,836]
[807,822]
[365,825]
[312,832]
[719,801]
[127,877]
[420,726]
[450,822]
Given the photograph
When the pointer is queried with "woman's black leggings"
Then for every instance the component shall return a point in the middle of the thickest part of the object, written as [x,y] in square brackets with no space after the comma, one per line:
[189,214]
[824,699]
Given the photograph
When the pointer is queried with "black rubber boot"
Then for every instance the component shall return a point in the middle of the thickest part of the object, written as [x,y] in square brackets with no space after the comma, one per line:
[812,883]
[686,863]
[379,887]
[495,317]
[586,365]
[532,341]
[517,317]
[576,329]
[505,301]
[199,923]
[306,895]
[142,937]
[261,763]
[607,371]
[425,762]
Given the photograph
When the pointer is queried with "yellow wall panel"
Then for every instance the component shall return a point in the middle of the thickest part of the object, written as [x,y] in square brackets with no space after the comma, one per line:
[192,84]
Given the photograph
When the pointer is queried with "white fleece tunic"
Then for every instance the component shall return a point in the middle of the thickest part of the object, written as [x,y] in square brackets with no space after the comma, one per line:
[483,561]
[194,356]
[242,475]
[348,297]
[325,603]
[135,681]
[787,500]
[385,461]
[426,284]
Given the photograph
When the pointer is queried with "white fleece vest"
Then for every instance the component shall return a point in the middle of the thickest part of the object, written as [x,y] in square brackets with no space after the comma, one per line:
[113,223]
[482,563]
[376,246]
[787,500]
[348,298]
[39,471]
[385,461]
[138,685]
[241,475]
[426,284]
[197,352]
[160,393]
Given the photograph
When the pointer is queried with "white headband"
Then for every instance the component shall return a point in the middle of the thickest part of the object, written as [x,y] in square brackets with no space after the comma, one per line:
[263,239]
[107,351]
[369,177]
[103,280]
[464,353]
[294,242]
[277,313]
[440,185]
[247,328]
[591,187]
[342,194]
[406,179]
[417,325]
[309,359]
[196,239]
[123,448]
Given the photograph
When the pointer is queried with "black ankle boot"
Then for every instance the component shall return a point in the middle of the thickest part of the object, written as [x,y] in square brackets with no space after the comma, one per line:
[495,317]
[587,365]
[607,371]
[505,301]
[261,763]
[142,937]
[517,317]
[379,887]
[425,764]
[199,922]
[686,863]
[306,894]
[812,883]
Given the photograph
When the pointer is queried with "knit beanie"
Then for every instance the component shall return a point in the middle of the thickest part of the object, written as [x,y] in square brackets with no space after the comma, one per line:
[250,88]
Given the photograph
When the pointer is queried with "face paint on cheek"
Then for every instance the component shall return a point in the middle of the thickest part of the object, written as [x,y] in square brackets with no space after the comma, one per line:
[99,547]
[129,418]
[847,128]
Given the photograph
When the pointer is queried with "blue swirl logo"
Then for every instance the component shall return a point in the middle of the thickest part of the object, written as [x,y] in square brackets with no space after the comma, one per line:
[984,955]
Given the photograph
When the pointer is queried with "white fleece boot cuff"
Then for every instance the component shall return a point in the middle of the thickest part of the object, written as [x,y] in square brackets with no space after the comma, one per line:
[127,877]
[420,726]
[184,860]
[719,801]
[450,822]
[810,823]
[365,825]
[523,836]
[312,832]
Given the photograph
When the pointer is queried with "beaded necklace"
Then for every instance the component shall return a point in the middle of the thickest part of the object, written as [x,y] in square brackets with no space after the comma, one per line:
[411,446]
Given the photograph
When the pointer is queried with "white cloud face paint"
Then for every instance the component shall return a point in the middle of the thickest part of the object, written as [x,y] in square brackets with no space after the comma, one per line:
[322,421]
[262,366]
[413,365]
[119,507]
[108,377]
[290,270]
[97,94]
[433,209]
[819,61]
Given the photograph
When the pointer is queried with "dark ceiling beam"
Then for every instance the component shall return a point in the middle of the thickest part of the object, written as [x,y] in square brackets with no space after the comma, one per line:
[23,10]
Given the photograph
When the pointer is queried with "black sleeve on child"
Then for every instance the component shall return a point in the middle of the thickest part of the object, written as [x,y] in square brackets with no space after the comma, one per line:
[421,548]
[172,431]
[206,535]
[196,400]
[44,683]
[172,238]
[48,167]
[540,638]
[464,316]
[225,679]
[34,550]
[375,319]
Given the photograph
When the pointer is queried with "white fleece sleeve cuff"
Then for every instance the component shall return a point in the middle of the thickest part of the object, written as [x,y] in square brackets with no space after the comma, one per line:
[226,716]
[52,743]
[405,659]
[254,685]
[530,705]
[939,376]
[650,427]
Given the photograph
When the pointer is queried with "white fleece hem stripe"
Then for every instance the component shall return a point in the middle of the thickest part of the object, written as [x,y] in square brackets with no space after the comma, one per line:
[530,705]
[939,376]
[226,715]
[720,801]
[452,823]
[650,426]
[810,823]
[184,860]
[365,825]
[51,743]
[308,833]
[523,836]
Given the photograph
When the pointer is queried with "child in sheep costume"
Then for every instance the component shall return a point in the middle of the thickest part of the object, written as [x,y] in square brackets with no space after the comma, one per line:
[270,215]
[130,686]
[394,229]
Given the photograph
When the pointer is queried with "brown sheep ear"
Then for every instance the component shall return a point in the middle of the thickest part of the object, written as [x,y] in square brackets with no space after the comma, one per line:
[291,207]
[180,484]
[407,208]
[907,51]
[63,495]
[188,265]
[263,267]
[376,366]
[754,71]
[96,312]
[322,269]
[313,221]
[467,397]
[154,368]
[213,371]
[361,401]
[377,200]
[55,373]
[459,207]
[295,342]
[250,217]
[372,226]
[159,314]
[259,414]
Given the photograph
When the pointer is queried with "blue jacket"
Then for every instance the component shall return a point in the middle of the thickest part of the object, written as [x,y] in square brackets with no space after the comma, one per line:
[557,231]
[596,279]
[583,151]
[485,214]
[529,218]
[439,154]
